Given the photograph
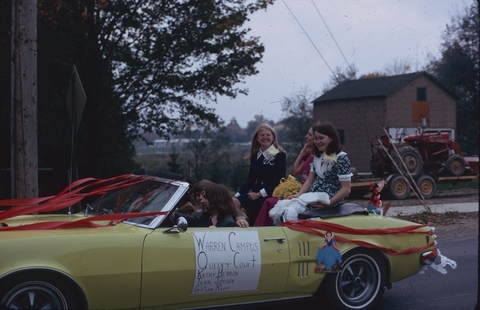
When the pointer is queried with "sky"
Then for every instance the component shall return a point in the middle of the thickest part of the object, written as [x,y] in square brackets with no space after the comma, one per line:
[305,40]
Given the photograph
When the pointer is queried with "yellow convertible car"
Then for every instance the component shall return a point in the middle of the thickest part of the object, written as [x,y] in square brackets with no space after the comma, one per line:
[125,252]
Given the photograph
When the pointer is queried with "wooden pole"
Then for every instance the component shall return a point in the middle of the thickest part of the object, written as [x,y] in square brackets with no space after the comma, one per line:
[24,150]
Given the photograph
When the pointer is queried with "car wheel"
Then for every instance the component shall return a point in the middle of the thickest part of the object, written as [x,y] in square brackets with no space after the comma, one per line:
[360,283]
[33,292]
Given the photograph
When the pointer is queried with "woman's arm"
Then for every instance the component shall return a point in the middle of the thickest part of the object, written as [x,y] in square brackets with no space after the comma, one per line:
[247,186]
[297,165]
[342,193]
[280,169]
[241,219]
[306,186]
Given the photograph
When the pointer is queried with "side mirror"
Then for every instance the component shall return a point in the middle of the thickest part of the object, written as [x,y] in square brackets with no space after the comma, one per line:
[182,226]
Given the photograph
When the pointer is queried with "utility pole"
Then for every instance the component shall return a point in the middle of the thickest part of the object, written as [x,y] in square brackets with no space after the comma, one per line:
[24,148]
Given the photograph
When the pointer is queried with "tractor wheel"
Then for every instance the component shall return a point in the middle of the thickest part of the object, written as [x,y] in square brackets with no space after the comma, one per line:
[398,187]
[427,185]
[412,159]
[455,165]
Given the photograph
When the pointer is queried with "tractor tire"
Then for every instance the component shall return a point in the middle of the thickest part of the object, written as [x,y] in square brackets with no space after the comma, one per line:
[427,185]
[398,187]
[412,159]
[455,165]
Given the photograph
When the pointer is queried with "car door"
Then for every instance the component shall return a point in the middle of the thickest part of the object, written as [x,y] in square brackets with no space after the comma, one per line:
[213,266]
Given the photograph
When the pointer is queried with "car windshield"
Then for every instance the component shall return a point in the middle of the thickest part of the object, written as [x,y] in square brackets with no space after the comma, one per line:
[148,196]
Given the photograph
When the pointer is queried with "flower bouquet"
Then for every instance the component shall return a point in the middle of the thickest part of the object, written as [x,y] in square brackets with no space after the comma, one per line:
[287,187]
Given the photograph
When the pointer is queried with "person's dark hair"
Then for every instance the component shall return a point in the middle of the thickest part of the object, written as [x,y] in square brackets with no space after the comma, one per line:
[219,197]
[200,186]
[326,128]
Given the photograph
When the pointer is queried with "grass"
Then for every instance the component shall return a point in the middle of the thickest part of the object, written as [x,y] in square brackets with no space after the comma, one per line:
[451,186]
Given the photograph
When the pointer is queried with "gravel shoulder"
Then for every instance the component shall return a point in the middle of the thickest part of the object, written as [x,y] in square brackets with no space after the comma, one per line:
[450,224]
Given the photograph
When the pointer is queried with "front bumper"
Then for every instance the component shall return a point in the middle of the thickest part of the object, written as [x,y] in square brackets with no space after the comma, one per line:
[429,257]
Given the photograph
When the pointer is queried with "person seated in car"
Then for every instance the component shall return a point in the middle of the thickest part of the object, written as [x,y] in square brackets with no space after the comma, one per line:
[196,206]
[189,207]
[218,208]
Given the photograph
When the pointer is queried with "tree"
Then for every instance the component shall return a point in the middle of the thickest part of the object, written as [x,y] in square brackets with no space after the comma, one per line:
[372,75]
[208,147]
[173,52]
[235,132]
[253,125]
[298,111]
[398,66]
[173,164]
[340,75]
[144,64]
[458,70]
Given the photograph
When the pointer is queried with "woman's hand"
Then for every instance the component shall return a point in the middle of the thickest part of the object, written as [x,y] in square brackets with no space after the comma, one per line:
[241,222]
[293,196]
[254,196]
[307,149]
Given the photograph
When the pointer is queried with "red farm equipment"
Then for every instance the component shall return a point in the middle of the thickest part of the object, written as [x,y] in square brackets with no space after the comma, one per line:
[425,159]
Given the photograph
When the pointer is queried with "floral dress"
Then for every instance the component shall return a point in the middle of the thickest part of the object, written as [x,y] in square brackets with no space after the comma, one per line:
[329,172]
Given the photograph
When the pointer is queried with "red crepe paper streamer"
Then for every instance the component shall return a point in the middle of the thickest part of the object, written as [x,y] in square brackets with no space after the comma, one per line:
[69,196]
[313,227]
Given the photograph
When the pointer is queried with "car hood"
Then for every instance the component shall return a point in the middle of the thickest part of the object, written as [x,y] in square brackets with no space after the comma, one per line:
[44,218]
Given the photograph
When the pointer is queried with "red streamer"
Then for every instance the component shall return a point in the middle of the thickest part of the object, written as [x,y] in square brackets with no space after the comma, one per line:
[313,227]
[85,222]
[69,196]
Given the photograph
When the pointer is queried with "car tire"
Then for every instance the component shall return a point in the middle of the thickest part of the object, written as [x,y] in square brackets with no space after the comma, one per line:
[360,283]
[37,292]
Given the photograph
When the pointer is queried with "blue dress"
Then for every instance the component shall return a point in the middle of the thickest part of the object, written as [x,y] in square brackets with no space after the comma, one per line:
[328,255]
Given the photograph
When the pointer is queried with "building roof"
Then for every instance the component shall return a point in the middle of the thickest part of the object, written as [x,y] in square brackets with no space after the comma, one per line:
[372,87]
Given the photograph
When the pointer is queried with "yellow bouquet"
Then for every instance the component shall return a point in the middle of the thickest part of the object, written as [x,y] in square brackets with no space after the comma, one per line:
[287,187]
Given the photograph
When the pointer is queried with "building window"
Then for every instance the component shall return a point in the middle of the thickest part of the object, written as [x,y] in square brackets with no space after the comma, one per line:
[421,94]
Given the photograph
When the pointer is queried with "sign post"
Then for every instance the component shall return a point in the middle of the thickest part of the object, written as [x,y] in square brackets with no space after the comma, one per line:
[75,100]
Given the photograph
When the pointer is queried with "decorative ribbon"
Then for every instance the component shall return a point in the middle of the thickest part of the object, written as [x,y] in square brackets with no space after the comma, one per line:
[69,196]
[313,227]
[82,223]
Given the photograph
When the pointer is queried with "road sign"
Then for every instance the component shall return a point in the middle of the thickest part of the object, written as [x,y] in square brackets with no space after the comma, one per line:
[76,98]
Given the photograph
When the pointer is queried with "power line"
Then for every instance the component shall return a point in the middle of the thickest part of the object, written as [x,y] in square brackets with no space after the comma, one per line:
[333,37]
[360,112]
[318,51]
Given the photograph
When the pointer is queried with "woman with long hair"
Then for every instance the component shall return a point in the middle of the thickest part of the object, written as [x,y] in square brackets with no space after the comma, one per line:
[300,166]
[268,166]
[330,170]
[218,209]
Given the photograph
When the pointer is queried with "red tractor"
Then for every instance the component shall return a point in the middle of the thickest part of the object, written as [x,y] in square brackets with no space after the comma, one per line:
[428,157]
[431,153]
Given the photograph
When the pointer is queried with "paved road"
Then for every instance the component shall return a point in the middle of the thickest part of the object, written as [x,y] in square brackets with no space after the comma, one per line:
[457,289]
